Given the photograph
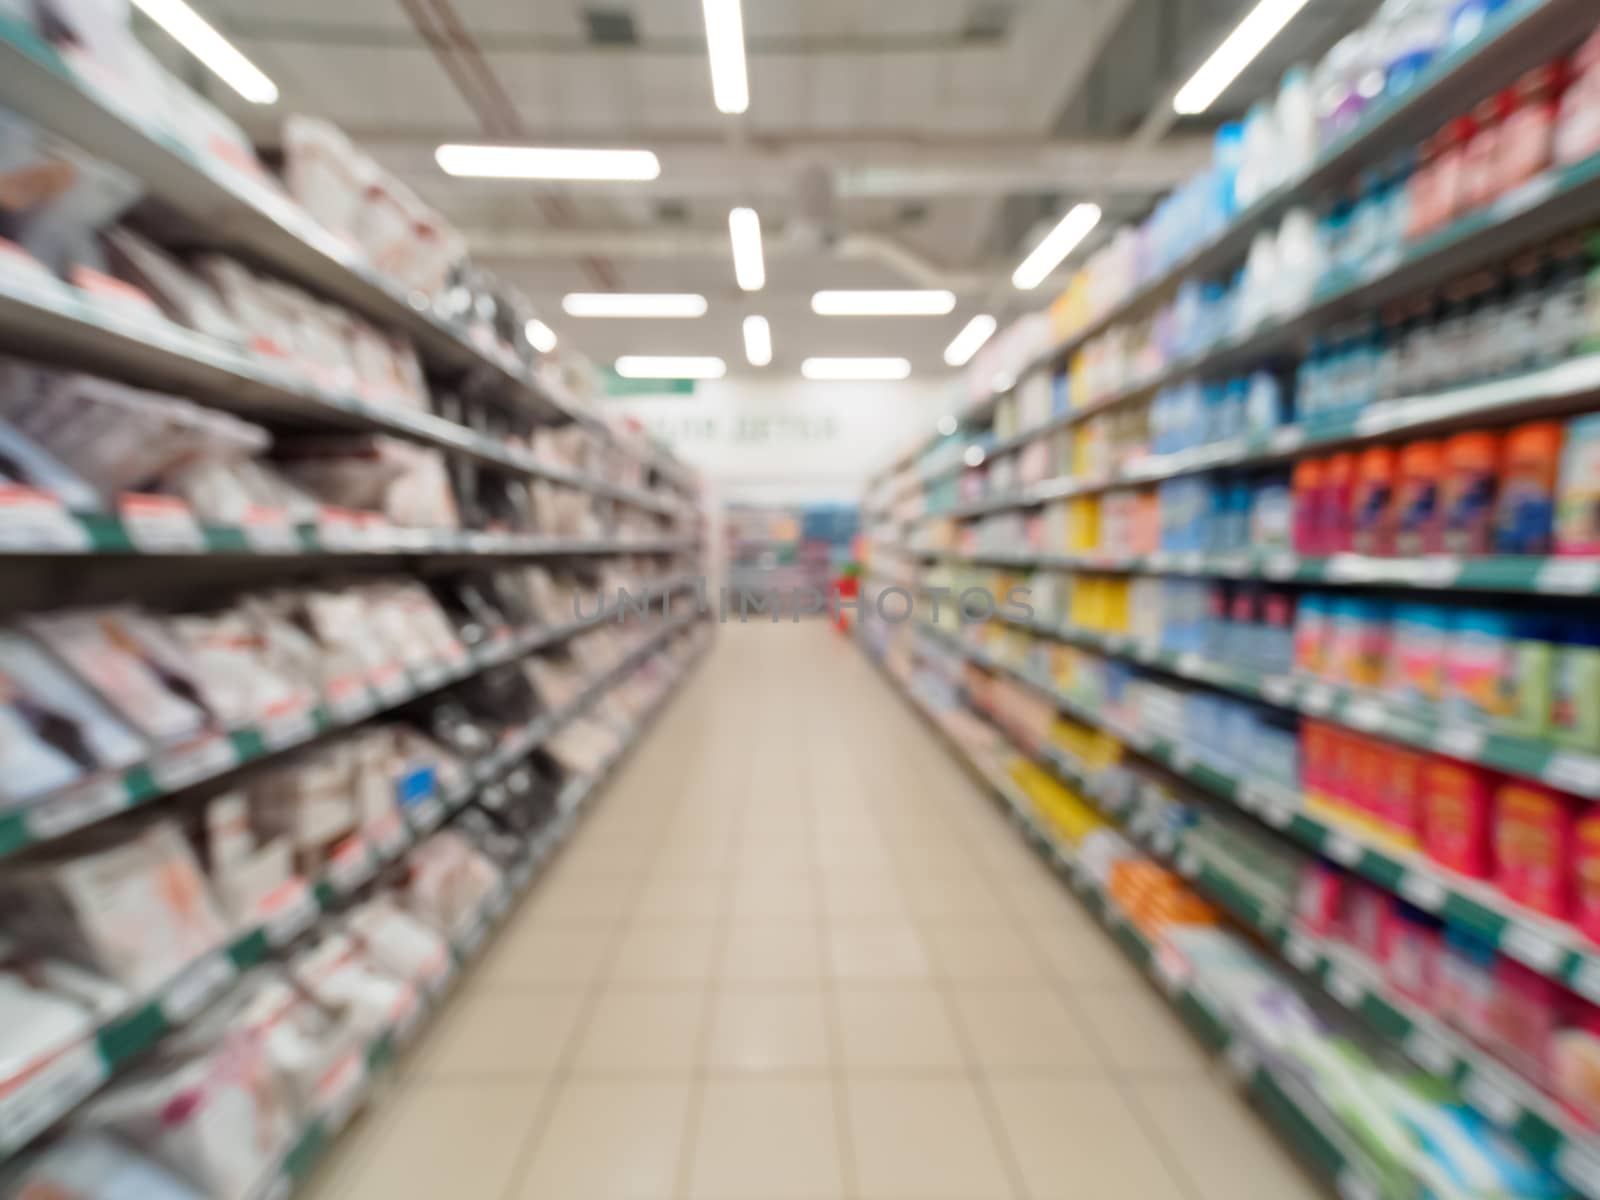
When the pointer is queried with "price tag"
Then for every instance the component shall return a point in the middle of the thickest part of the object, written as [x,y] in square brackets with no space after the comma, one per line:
[1276,813]
[1436,570]
[1280,566]
[1569,576]
[180,767]
[349,700]
[1286,439]
[432,675]
[288,728]
[82,805]
[1318,698]
[1423,890]
[1366,713]
[195,987]
[33,1102]
[1573,772]
[269,531]
[161,525]
[1342,848]
[1301,952]
[338,530]
[1459,741]
[1580,1166]
[1345,987]
[288,912]
[1530,195]
[1587,980]
[1277,689]
[339,1092]
[34,520]
[1434,1056]
[1532,947]
[1188,864]
[1490,1096]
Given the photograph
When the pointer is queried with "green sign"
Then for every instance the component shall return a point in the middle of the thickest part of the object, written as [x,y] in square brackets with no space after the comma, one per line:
[616,385]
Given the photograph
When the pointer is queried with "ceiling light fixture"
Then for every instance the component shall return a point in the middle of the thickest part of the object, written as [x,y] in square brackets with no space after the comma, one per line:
[749,267]
[540,336]
[757,341]
[642,305]
[546,162]
[969,341]
[1057,244]
[191,31]
[947,425]
[730,84]
[1263,23]
[670,366]
[929,303]
[835,369]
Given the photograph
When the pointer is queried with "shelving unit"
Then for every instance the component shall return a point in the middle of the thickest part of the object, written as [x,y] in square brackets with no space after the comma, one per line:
[52,322]
[944,507]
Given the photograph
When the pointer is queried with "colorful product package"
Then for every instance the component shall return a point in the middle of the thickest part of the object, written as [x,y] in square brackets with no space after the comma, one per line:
[1575,1061]
[1359,645]
[1338,491]
[1372,509]
[1525,1012]
[1319,899]
[1457,816]
[1307,485]
[1586,873]
[1574,717]
[1401,808]
[1466,982]
[1418,527]
[1413,953]
[1418,640]
[1533,847]
[1578,496]
[1525,513]
[1471,472]
[1479,667]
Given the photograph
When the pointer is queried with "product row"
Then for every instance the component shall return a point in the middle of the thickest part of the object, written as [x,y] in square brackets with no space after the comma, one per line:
[1411,1131]
[90,443]
[98,690]
[329,191]
[1529,490]
[1527,841]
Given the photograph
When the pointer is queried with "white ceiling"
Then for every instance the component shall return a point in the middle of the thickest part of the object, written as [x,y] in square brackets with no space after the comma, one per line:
[940,147]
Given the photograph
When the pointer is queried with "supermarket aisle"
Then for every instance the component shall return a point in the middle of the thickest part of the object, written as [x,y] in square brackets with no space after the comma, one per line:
[795,953]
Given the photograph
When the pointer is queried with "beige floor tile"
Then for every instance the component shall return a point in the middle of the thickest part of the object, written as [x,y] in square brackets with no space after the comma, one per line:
[1076,1138]
[678,898]
[769,1030]
[922,1139]
[489,1031]
[958,899]
[788,896]
[1139,1032]
[1024,1028]
[669,951]
[643,1030]
[534,954]
[766,1139]
[876,950]
[771,951]
[442,1139]
[1222,1147]
[610,1140]
[980,951]
[850,894]
[896,1026]
[582,900]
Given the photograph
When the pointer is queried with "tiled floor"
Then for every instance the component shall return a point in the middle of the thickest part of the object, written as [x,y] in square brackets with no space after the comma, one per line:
[795,953]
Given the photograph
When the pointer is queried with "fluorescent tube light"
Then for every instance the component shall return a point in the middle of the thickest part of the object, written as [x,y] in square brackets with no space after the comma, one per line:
[1264,22]
[969,341]
[855,368]
[540,336]
[749,267]
[757,341]
[191,31]
[931,303]
[670,366]
[730,85]
[1057,244]
[639,304]
[545,162]
[947,425]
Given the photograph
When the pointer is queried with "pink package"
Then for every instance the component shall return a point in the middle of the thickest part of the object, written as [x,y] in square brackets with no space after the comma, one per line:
[1524,1014]
[1365,918]
[1317,903]
[1457,809]
[1414,949]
